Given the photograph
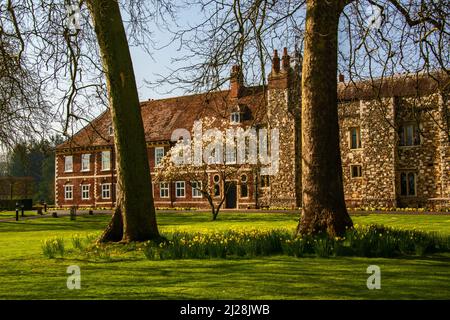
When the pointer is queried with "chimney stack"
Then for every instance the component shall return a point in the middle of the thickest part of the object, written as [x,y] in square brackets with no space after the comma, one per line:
[275,62]
[341,77]
[286,60]
[277,79]
[236,81]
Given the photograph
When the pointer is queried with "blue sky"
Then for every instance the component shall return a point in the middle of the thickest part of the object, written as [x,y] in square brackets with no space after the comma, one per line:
[147,68]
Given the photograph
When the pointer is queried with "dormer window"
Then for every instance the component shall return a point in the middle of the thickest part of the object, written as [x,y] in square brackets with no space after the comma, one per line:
[235,117]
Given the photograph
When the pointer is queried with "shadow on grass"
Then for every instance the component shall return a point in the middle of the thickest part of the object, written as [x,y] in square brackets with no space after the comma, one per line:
[54,224]
[275,277]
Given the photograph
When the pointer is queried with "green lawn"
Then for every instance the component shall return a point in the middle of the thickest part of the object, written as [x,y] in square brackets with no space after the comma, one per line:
[26,274]
[12,214]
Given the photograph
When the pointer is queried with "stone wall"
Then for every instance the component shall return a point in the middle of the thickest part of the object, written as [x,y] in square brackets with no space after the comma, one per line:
[283,186]
[376,156]
[444,151]
[382,158]
[422,159]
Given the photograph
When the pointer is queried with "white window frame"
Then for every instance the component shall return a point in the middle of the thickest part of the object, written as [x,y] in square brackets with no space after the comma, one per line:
[157,162]
[66,162]
[177,188]
[88,192]
[83,158]
[246,185]
[66,191]
[235,117]
[108,190]
[218,185]
[103,160]
[165,188]
[196,193]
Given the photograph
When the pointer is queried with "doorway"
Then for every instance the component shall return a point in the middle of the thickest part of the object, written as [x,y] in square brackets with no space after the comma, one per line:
[231,196]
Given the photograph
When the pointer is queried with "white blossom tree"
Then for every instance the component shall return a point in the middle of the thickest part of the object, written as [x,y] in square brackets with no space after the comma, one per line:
[216,154]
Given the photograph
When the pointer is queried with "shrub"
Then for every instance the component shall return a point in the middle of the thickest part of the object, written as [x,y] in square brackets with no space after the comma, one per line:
[53,246]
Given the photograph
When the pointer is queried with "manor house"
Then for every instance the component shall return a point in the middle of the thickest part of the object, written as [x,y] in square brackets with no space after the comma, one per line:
[394,140]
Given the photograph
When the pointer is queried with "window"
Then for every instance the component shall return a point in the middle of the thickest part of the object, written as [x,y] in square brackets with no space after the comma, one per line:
[408,184]
[164,190]
[106,190]
[409,134]
[106,160]
[196,189]
[85,191]
[85,162]
[235,117]
[216,190]
[265,181]
[68,163]
[355,138]
[179,189]
[68,192]
[244,187]
[159,154]
[356,171]
[111,131]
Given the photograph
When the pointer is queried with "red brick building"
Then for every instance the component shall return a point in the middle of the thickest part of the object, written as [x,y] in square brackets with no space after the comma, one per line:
[394,144]
[85,166]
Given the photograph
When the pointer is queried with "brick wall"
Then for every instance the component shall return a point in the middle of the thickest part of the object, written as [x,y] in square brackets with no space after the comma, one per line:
[95,177]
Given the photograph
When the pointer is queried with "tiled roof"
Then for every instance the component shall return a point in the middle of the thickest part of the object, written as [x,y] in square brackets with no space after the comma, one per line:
[162,117]
[399,85]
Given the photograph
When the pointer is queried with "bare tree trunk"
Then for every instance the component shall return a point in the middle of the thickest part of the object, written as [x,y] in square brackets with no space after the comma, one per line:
[214,213]
[323,205]
[114,230]
[133,173]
